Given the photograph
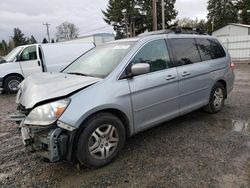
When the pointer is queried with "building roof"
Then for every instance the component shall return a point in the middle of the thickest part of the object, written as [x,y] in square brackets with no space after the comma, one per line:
[96,34]
[90,35]
[234,24]
[241,25]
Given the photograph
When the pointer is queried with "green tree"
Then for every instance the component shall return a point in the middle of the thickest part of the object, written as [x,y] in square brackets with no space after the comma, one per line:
[45,40]
[220,13]
[117,15]
[170,13]
[202,24]
[32,40]
[11,45]
[52,41]
[3,48]
[18,38]
[124,15]
[244,7]
[190,23]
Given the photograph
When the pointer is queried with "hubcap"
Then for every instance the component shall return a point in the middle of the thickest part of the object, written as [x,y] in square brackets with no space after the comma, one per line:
[103,142]
[13,85]
[218,98]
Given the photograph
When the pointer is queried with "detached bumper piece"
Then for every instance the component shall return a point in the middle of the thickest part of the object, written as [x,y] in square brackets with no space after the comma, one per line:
[17,117]
[51,144]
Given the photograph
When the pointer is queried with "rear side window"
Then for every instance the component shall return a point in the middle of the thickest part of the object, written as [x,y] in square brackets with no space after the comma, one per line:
[154,53]
[210,49]
[186,51]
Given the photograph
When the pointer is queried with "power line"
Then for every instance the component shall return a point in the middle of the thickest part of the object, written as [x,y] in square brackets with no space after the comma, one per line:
[47,26]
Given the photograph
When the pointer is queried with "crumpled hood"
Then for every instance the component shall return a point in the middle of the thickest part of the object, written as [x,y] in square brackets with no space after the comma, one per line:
[44,86]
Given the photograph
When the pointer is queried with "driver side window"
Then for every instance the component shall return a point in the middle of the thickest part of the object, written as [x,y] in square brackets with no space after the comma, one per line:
[154,53]
[28,54]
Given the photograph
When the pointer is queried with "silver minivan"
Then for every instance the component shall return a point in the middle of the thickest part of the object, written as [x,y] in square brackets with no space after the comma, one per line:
[116,90]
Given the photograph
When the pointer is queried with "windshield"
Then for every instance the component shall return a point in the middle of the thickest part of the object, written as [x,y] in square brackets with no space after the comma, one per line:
[13,54]
[100,61]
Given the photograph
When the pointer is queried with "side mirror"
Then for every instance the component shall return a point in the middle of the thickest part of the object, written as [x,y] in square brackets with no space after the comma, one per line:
[140,68]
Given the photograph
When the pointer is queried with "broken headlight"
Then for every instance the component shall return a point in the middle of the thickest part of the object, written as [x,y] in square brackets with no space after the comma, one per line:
[47,114]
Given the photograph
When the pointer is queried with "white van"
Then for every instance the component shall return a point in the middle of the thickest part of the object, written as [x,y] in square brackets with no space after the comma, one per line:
[25,60]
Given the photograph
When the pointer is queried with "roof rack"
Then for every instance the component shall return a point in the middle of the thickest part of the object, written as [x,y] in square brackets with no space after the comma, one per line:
[176,30]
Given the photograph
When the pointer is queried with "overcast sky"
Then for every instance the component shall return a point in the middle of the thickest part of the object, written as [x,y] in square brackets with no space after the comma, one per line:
[29,15]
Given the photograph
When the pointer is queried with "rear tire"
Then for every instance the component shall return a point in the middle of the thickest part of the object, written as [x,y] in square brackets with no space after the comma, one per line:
[101,140]
[217,99]
[11,83]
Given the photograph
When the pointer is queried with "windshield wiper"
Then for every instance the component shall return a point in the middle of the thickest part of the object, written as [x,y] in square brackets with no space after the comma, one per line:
[78,73]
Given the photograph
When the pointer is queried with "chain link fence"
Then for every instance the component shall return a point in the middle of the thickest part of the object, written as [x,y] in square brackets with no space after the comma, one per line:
[238,47]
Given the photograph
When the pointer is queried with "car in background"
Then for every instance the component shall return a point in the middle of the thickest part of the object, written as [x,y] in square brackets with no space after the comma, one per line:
[26,60]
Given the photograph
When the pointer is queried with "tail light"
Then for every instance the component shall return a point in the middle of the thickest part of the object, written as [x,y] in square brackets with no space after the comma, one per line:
[232,66]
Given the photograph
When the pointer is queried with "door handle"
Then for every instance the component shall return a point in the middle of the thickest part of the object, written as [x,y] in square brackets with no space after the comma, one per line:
[170,77]
[185,73]
[38,62]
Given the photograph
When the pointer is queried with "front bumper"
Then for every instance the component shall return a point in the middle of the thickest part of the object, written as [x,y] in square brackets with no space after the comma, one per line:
[50,142]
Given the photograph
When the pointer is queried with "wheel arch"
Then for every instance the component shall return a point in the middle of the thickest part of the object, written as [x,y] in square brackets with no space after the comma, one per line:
[12,74]
[6,77]
[118,113]
[224,83]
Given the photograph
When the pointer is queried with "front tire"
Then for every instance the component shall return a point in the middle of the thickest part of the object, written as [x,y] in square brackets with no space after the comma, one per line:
[217,99]
[11,84]
[101,140]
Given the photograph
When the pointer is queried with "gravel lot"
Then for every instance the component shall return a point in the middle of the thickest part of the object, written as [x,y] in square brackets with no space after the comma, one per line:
[196,150]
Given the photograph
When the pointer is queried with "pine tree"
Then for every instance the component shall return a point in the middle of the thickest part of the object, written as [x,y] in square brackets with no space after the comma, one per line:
[4,47]
[52,41]
[32,40]
[124,14]
[45,40]
[18,38]
[190,23]
[244,7]
[170,13]
[11,45]
[116,15]
[221,13]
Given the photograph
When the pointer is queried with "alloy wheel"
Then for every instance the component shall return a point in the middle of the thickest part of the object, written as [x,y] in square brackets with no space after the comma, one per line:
[218,98]
[103,141]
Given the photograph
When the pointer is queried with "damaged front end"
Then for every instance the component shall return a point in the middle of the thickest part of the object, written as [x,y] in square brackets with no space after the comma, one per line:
[42,131]
[51,143]
[42,98]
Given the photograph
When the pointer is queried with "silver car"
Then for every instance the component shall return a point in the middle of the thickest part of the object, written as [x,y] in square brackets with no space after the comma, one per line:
[116,90]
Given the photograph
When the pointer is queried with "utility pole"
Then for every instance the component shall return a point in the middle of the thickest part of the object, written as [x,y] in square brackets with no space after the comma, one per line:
[133,29]
[154,15]
[213,24]
[163,14]
[124,13]
[47,26]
